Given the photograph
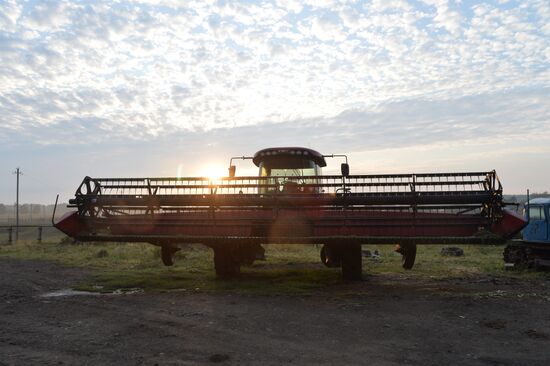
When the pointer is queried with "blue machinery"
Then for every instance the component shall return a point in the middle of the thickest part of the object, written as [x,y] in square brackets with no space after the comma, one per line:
[533,250]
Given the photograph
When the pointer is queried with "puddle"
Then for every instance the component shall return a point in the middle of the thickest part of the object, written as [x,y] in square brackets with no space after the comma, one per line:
[69,292]
[125,291]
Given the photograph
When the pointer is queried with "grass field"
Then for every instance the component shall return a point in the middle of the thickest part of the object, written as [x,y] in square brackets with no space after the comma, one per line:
[289,268]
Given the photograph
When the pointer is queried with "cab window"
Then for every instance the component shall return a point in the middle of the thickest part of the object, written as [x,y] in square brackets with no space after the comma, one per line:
[536,213]
[288,166]
[289,172]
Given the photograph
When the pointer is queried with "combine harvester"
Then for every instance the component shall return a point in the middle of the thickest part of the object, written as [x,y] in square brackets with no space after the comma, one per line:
[292,202]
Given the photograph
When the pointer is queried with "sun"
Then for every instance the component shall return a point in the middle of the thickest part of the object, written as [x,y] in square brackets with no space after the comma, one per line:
[214,172]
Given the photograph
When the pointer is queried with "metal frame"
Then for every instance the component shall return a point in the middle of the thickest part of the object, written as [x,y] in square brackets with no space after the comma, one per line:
[370,208]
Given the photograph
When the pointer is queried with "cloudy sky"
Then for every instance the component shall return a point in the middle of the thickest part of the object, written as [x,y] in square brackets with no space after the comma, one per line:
[153,88]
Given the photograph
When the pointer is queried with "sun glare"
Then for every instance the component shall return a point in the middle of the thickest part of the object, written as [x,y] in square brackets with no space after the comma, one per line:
[214,172]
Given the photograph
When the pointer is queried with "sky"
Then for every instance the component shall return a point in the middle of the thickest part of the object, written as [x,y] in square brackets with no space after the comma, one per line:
[161,88]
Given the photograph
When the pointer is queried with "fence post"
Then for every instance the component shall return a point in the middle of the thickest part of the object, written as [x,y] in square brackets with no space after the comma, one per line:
[10,234]
[40,234]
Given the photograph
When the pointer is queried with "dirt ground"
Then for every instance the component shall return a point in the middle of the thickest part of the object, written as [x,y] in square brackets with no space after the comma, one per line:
[383,320]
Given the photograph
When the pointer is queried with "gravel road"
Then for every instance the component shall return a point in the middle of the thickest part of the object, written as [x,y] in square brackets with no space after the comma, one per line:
[383,320]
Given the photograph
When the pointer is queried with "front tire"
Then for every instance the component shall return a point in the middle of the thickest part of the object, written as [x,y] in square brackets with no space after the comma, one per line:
[226,263]
[352,262]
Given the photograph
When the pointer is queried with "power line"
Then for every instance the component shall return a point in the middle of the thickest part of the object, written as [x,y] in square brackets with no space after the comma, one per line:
[17,172]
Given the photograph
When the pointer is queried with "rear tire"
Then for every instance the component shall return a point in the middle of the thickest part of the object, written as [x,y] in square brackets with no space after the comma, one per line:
[331,256]
[408,252]
[352,262]
[226,263]
[168,254]
[247,254]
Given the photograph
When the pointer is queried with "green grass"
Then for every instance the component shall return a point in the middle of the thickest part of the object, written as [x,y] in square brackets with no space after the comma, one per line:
[289,269]
[429,261]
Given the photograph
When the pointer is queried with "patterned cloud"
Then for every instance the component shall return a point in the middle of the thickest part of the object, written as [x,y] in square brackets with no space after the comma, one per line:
[364,74]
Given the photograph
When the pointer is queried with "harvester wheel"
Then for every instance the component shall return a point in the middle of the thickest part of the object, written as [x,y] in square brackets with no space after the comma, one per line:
[330,256]
[168,254]
[249,253]
[352,262]
[226,262]
[408,255]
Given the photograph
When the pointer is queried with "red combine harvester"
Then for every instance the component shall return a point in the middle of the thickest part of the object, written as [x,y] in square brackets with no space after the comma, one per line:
[291,202]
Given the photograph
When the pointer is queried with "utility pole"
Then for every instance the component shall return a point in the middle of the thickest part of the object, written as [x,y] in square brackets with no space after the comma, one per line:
[17,172]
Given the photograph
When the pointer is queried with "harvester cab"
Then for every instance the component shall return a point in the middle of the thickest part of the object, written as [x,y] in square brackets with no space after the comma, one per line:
[537,211]
[289,169]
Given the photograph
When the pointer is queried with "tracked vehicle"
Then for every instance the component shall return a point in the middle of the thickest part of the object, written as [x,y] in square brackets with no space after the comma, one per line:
[291,201]
[533,250]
